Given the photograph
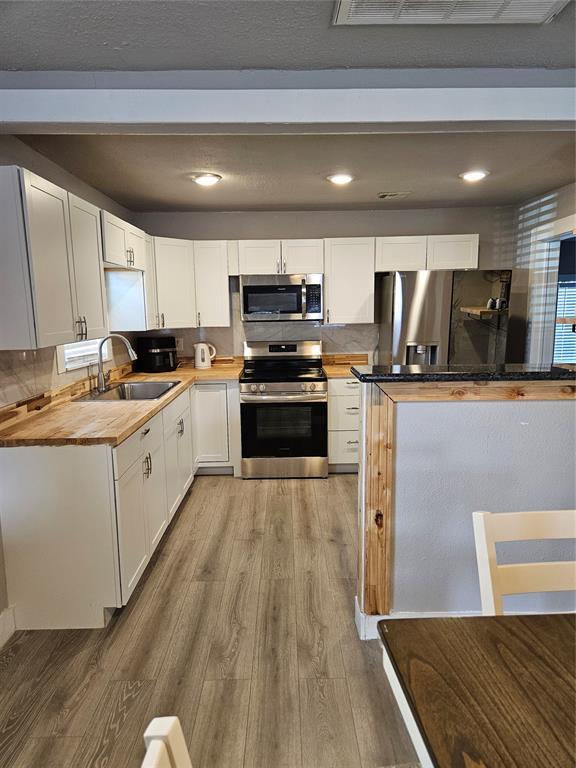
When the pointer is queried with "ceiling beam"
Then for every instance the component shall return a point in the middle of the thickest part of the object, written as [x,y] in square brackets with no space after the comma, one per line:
[159,110]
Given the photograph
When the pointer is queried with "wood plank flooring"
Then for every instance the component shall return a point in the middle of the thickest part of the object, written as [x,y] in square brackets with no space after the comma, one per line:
[242,625]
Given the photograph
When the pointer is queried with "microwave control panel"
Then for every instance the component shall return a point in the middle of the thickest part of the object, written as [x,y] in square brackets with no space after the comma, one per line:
[313,298]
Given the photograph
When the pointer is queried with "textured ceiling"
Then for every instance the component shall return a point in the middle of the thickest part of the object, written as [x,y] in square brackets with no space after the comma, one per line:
[288,172]
[255,34]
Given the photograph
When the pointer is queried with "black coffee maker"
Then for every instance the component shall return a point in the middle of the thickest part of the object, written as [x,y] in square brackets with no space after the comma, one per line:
[156,354]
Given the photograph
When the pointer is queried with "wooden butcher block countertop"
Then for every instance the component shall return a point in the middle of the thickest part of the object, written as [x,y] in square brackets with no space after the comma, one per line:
[106,423]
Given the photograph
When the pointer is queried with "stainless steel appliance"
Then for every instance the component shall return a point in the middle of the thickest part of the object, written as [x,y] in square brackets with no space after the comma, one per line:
[284,410]
[281,297]
[156,354]
[414,315]
[435,317]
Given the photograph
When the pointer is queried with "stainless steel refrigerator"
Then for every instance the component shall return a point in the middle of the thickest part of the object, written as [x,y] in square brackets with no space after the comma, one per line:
[423,322]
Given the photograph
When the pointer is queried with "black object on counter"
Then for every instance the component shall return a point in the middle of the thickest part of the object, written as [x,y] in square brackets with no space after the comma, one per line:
[156,354]
[423,373]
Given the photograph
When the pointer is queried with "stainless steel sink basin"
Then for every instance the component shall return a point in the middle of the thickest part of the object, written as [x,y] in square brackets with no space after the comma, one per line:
[132,390]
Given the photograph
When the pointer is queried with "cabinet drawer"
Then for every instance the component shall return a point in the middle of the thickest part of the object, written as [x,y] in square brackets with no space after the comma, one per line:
[343,447]
[343,413]
[342,387]
[145,438]
[176,408]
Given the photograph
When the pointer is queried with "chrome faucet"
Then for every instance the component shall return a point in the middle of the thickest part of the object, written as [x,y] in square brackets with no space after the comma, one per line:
[101,386]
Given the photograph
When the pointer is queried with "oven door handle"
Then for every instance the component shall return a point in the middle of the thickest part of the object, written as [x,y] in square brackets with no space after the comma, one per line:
[318,397]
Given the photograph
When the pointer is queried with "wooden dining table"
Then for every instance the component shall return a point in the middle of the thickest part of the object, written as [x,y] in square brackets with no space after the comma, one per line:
[487,691]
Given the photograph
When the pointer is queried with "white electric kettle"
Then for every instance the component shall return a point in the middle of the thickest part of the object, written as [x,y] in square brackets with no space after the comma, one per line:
[203,355]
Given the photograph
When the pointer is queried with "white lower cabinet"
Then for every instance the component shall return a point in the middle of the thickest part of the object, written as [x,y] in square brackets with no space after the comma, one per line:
[343,420]
[211,423]
[178,451]
[132,534]
[155,489]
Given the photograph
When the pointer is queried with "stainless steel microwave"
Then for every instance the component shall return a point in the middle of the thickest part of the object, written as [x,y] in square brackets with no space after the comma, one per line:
[281,297]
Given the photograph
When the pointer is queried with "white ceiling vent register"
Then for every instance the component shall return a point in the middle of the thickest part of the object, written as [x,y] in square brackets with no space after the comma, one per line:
[447,11]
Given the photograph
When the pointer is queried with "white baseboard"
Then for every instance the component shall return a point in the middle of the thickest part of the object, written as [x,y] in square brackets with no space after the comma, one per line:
[7,625]
[367,626]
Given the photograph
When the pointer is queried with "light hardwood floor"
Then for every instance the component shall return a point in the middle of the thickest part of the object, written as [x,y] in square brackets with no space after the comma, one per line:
[242,626]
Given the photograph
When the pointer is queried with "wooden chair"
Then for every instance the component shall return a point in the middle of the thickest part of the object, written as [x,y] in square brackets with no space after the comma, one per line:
[165,744]
[498,580]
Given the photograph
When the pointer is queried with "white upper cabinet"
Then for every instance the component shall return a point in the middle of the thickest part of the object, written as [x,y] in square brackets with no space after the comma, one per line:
[136,247]
[37,294]
[453,251]
[150,288]
[302,257]
[260,257]
[175,281]
[405,253]
[124,244]
[88,272]
[349,269]
[211,279]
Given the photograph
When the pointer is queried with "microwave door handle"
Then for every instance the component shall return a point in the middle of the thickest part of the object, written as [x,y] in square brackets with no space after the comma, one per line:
[303,298]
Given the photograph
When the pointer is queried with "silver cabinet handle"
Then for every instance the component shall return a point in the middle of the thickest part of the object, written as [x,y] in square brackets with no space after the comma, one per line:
[80,333]
[352,383]
[157,321]
[198,319]
[327,315]
[85,323]
[284,266]
[352,408]
[150,462]
[146,467]
[352,442]
[145,431]
[181,425]
[277,266]
[162,316]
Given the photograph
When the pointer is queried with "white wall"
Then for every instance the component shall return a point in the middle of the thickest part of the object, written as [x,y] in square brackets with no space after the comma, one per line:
[455,458]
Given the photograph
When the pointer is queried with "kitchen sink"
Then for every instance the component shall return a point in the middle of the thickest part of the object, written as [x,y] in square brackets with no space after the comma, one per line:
[131,390]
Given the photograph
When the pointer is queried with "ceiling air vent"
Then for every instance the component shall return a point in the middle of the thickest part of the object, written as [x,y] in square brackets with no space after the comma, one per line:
[447,11]
[392,195]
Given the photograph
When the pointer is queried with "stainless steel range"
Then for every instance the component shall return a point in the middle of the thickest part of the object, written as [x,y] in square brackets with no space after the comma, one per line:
[284,410]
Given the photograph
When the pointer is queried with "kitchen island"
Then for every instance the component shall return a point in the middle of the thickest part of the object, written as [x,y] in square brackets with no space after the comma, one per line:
[436,444]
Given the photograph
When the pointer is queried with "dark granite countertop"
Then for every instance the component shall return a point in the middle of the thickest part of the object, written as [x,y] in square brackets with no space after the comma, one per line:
[423,373]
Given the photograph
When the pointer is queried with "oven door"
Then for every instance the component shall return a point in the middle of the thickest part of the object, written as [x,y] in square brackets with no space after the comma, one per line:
[266,297]
[273,427]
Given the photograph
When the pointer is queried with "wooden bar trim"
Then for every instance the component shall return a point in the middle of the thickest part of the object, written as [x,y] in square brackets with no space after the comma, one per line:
[477,391]
[378,479]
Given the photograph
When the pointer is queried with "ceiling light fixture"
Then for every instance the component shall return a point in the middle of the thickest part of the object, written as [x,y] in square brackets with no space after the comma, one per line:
[473,176]
[206,179]
[340,179]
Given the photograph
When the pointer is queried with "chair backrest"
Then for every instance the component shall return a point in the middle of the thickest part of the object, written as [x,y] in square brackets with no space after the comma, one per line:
[498,580]
[165,744]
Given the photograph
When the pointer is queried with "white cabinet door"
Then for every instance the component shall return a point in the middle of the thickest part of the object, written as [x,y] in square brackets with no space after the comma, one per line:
[211,423]
[50,261]
[259,257]
[175,280]
[211,279]
[343,447]
[132,531]
[302,257]
[453,251]
[88,270]
[150,289]
[136,246]
[173,490]
[185,457]
[343,413]
[114,237]
[406,253]
[155,492]
[349,267]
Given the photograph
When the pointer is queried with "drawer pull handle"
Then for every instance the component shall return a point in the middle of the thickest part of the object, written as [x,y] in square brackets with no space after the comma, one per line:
[352,442]
[145,431]
[352,408]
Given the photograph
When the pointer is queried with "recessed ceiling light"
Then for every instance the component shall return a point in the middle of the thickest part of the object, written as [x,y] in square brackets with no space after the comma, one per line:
[473,176]
[206,179]
[340,179]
